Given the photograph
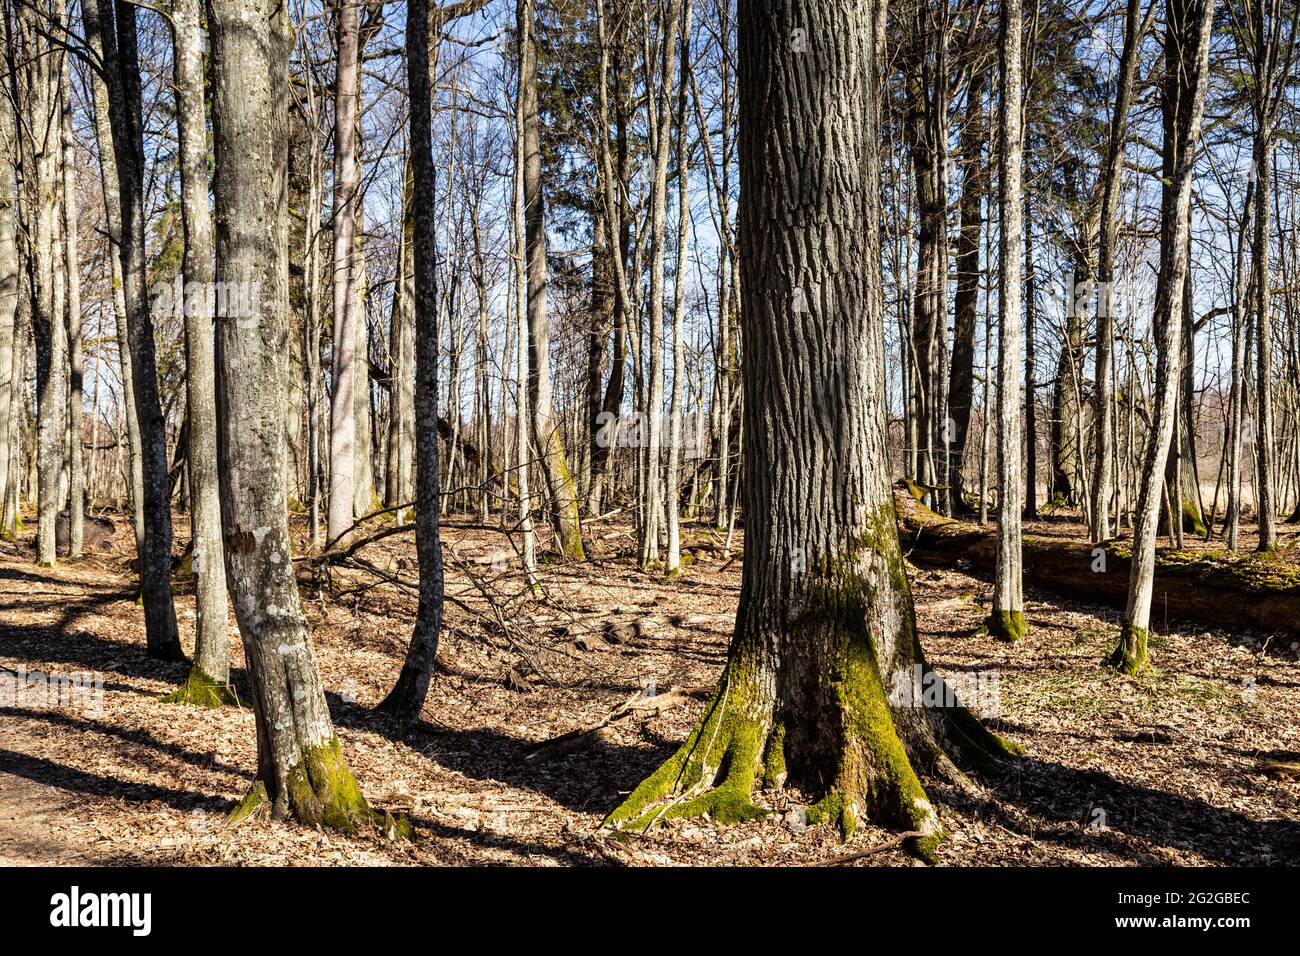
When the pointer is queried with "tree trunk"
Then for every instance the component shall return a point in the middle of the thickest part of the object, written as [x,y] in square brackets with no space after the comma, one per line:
[347,186]
[113,220]
[961,378]
[38,88]
[1187,42]
[825,623]
[407,697]
[1103,478]
[122,78]
[1008,616]
[211,671]
[73,327]
[1266,481]
[10,392]
[301,769]
[545,428]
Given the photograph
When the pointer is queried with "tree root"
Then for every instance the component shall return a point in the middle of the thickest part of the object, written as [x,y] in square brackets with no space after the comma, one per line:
[725,740]
[737,740]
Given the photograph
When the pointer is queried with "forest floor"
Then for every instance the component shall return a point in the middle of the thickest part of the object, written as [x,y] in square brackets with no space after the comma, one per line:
[1174,767]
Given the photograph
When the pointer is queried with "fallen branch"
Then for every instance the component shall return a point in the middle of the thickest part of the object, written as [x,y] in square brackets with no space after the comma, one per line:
[638,705]
[878,848]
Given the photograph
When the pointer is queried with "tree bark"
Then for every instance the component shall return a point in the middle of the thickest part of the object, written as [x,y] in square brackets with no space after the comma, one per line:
[73,330]
[301,769]
[961,377]
[347,187]
[211,669]
[825,622]
[1104,399]
[10,394]
[113,220]
[407,697]
[545,428]
[1008,615]
[1187,43]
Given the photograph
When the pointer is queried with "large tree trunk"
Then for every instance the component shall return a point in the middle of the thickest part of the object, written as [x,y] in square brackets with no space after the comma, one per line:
[1187,43]
[211,671]
[407,697]
[301,770]
[547,440]
[825,625]
[347,187]
[1008,616]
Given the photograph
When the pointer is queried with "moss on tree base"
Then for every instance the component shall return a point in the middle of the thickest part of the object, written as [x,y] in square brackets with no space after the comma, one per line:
[200,690]
[1008,625]
[322,792]
[1130,654]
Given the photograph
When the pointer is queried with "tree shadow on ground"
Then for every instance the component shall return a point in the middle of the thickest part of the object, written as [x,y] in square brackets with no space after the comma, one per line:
[587,780]
[1065,800]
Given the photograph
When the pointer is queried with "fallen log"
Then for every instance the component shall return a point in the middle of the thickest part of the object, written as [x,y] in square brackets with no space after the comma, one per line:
[1212,589]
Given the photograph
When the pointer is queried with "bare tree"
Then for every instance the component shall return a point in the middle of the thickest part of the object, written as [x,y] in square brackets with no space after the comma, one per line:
[1187,44]
[301,769]
[1008,616]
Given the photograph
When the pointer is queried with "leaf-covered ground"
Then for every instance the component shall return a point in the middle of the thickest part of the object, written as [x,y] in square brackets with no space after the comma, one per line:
[1177,766]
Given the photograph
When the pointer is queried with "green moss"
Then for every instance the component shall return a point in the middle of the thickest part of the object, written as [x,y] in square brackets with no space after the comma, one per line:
[323,791]
[47,564]
[1130,655]
[774,769]
[725,740]
[1192,520]
[1008,625]
[201,690]
[255,802]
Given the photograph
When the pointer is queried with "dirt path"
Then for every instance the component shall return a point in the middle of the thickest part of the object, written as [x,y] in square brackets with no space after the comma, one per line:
[29,815]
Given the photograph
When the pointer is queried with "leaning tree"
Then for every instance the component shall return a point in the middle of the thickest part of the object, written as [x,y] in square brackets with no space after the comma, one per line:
[825,624]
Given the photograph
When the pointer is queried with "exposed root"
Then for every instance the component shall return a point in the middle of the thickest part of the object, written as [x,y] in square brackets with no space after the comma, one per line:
[255,804]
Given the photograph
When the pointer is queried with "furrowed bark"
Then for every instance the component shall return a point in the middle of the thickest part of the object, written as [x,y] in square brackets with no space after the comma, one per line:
[826,624]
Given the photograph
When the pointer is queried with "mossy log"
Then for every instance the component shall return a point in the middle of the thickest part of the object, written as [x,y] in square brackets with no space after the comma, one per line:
[1209,588]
